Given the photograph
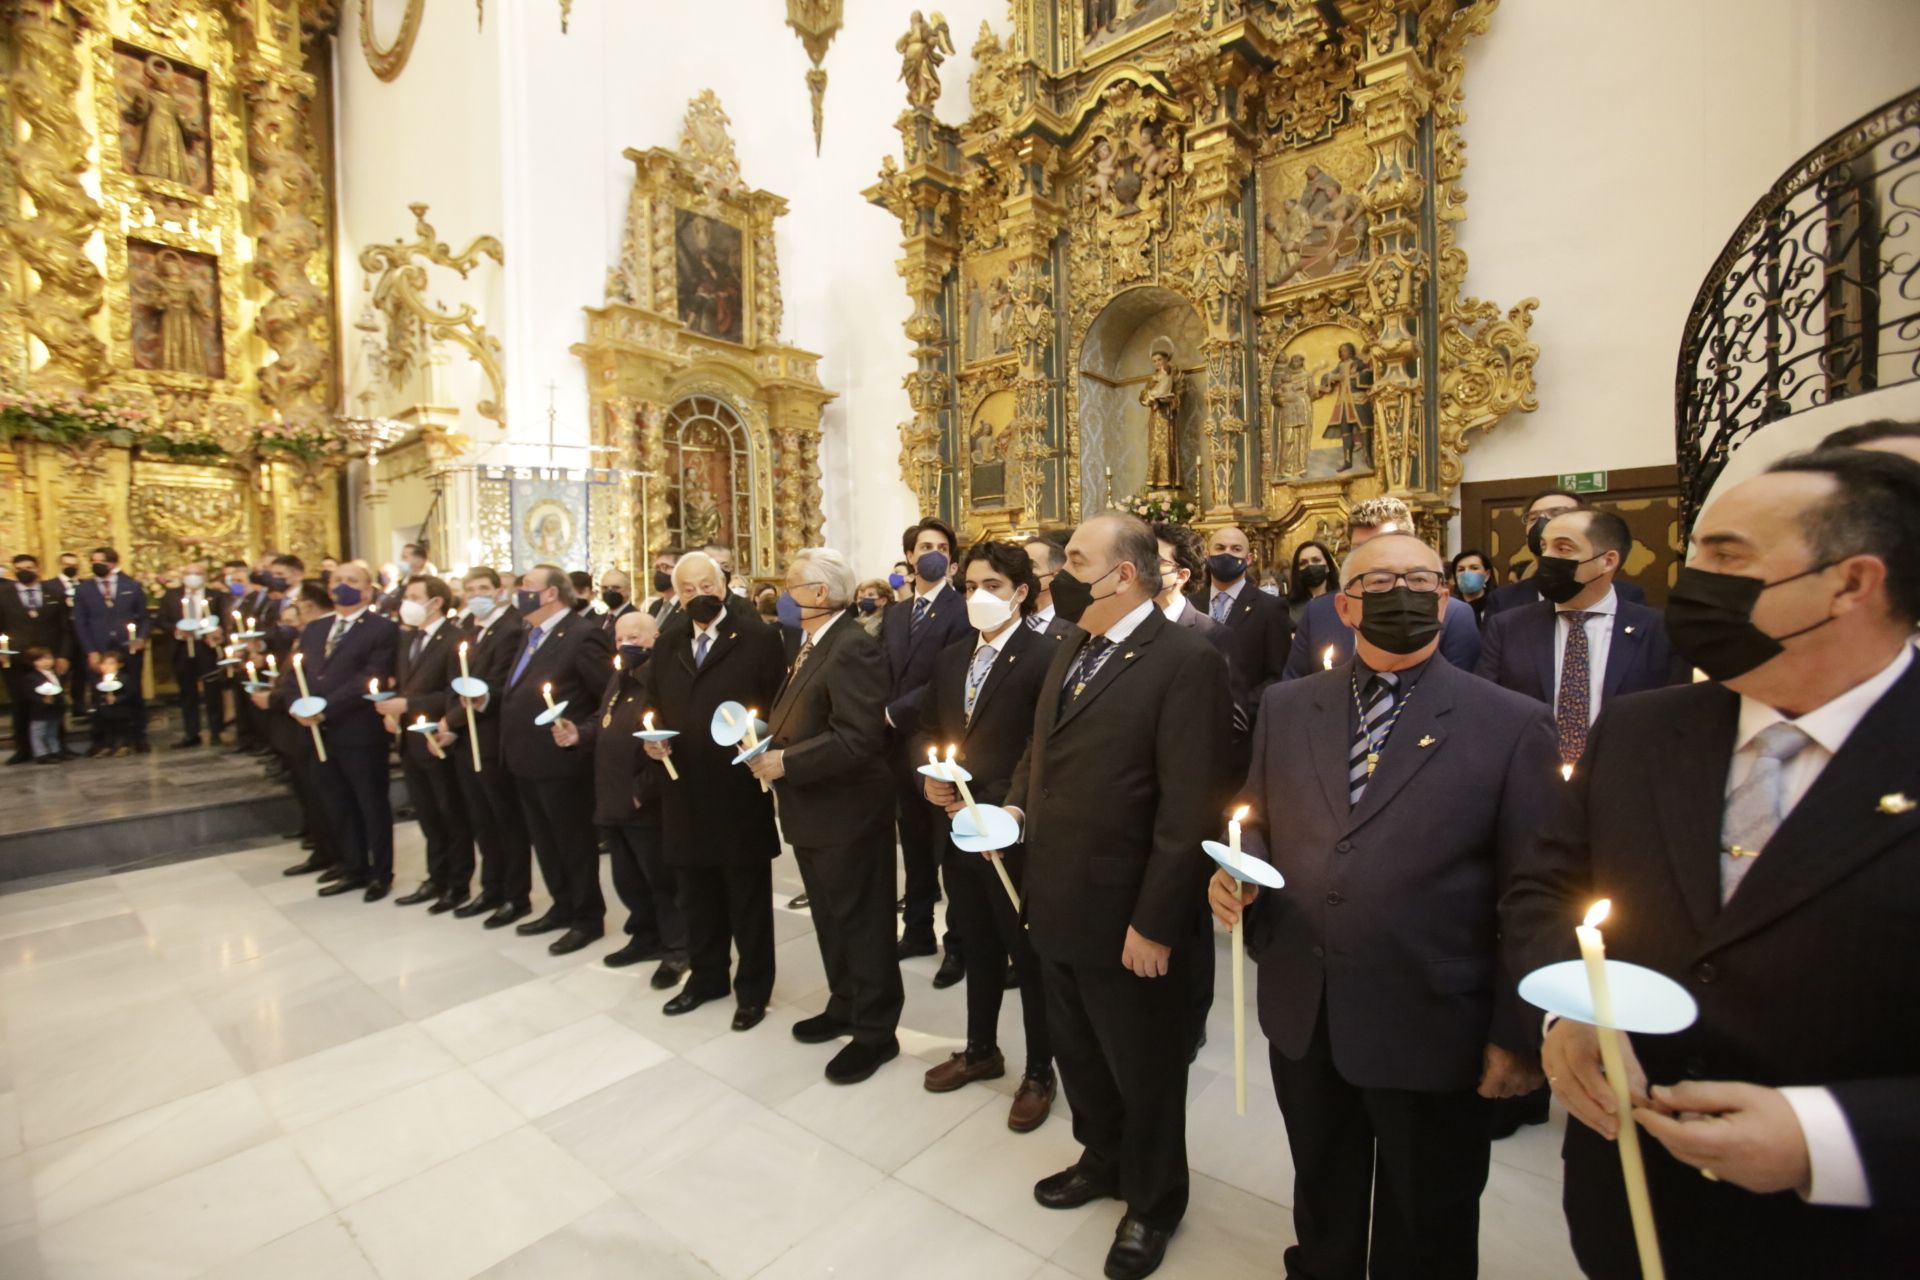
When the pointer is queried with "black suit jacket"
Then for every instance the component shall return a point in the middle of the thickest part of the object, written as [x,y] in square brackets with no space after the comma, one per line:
[1261,627]
[490,656]
[828,722]
[48,631]
[990,744]
[1516,652]
[1807,977]
[626,781]
[423,682]
[364,653]
[910,654]
[1321,628]
[100,623]
[1517,595]
[1119,788]
[1390,910]
[576,659]
[173,611]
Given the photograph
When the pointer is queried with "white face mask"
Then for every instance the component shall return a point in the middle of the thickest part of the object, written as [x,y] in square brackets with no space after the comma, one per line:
[479,606]
[413,613]
[987,611]
[194,581]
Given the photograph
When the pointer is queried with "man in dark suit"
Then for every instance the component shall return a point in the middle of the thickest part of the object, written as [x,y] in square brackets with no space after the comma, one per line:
[718,824]
[276,580]
[291,744]
[1048,555]
[1759,837]
[1114,793]
[1324,640]
[913,632]
[491,642]
[616,593]
[33,615]
[828,765]
[1523,591]
[421,691]
[664,601]
[570,657]
[196,665]
[980,701]
[110,616]
[343,656]
[1260,624]
[1395,793]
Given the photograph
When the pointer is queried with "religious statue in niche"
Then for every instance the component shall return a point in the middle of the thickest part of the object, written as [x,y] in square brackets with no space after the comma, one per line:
[176,319]
[925,46]
[1291,390]
[1350,383]
[707,264]
[700,520]
[1131,168]
[1102,21]
[163,132]
[1160,396]
[1320,232]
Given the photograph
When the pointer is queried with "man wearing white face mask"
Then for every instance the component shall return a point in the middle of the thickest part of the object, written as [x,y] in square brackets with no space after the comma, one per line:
[421,692]
[492,639]
[194,664]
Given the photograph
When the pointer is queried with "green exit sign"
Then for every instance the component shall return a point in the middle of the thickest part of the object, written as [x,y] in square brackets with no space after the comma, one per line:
[1584,481]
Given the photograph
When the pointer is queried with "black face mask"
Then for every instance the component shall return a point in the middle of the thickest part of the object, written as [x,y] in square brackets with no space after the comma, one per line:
[69,570]
[1313,575]
[704,609]
[1226,568]
[1400,620]
[662,581]
[1072,597]
[1536,535]
[868,604]
[632,658]
[1557,578]
[25,577]
[1710,621]
[614,598]
[101,569]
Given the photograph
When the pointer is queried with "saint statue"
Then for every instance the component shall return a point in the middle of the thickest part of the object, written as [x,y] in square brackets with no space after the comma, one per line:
[1350,382]
[163,136]
[1292,393]
[699,510]
[922,50]
[1161,399]
[176,300]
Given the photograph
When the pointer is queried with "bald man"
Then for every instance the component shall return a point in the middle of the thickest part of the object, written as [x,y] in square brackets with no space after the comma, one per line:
[1396,793]
[1260,626]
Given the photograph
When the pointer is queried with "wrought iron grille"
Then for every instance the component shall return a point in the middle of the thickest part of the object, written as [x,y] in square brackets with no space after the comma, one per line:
[1815,298]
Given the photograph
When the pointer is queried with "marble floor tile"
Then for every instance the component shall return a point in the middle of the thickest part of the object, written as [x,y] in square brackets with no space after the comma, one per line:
[888,1119]
[920,1235]
[502,1019]
[188,1224]
[986,1171]
[629,1131]
[272,1034]
[311,1089]
[10,1139]
[613,1242]
[323,1250]
[463,1216]
[60,942]
[1226,1235]
[16,1199]
[369,1148]
[421,993]
[562,1066]
[766,1063]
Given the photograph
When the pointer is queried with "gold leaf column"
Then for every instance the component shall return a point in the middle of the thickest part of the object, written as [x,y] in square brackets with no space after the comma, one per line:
[47,158]
[1033,220]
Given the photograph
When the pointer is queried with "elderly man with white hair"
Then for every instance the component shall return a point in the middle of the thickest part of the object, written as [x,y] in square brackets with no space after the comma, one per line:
[827,763]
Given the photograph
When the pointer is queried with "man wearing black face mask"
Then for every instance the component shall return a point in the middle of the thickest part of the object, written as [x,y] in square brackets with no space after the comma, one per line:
[1759,836]
[1518,591]
[1260,626]
[661,605]
[616,594]
[33,615]
[1395,793]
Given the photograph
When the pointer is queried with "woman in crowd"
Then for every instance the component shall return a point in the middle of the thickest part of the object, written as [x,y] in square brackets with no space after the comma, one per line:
[1315,572]
[871,600]
[1473,581]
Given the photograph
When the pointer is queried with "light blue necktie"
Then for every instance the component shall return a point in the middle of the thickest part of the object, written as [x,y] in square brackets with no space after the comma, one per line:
[526,655]
[700,649]
[1756,807]
[977,675]
[1222,605]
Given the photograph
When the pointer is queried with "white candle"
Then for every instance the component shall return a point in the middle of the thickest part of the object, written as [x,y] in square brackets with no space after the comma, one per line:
[5,660]
[433,744]
[373,686]
[1326,659]
[616,662]
[252,678]
[300,674]
[1239,981]
[473,733]
[1593,952]
[546,691]
[646,722]
[133,634]
[463,661]
[752,739]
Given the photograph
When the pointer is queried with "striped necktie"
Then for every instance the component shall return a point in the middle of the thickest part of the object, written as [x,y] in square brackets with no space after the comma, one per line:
[1085,668]
[920,607]
[977,676]
[1371,734]
[1756,807]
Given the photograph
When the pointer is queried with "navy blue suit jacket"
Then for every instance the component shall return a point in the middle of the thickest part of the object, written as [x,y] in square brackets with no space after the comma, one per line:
[910,655]
[102,624]
[1320,626]
[1518,595]
[365,653]
[1516,652]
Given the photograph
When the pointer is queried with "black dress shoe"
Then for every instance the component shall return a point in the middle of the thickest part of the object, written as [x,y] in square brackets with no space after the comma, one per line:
[186,744]
[306,842]
[798,902]
[301,836]
[748,1016]
[1071,1188]
[572,940]
[307,868]
[427,892]
[633,953]
[949,972]
[1136,1251]
[686,1002]
[506,913]
[333,873]
[345,884]
[819,1029]
[669,975]
[472,907]
[448,902]
[548,923]
[1013,977]
[143,748]
[917,942]
[19,757]
[859,1060]
[378,889]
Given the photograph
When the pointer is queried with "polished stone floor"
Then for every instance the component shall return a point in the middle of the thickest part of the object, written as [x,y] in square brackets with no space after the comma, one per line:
[97,790]
[208,1071]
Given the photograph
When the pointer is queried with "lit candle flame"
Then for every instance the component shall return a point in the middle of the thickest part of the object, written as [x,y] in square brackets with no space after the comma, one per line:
[1598,912]
[373,685]
[933,755]
[1326,658]
[950,752]
[1240,814]
[646,722]
[616,662]
[1566,773]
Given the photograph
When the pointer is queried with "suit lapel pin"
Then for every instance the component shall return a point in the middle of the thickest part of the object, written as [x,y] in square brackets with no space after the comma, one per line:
[1896,802]
[1427,741]
[1126,655]
[1627,630]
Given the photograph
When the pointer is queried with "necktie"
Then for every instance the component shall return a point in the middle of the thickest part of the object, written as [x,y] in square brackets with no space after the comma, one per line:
[1755,809]
[1085,668]
[700,649]
[1222,605]
[413,651]
[534,637]
[340,626]
[800,659]
[1371,734]
[33,599]
[920,606]
[1575,699]
[977,675]
[1033,621]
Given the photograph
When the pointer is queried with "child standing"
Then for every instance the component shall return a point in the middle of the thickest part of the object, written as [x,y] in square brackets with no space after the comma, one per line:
[114,710]
[48,711]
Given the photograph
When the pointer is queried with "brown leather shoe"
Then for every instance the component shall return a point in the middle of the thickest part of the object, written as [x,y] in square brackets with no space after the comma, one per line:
[1032,1104]
[957,1071]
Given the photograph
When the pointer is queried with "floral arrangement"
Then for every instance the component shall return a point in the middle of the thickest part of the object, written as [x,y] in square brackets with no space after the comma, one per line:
[65,418]
[1157,506]
[277,436]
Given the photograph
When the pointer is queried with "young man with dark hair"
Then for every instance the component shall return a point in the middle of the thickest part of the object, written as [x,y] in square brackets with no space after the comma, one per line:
[110,616]
[1047,554]
[1520,590]
[1883,434]
[426,651]
[664,600]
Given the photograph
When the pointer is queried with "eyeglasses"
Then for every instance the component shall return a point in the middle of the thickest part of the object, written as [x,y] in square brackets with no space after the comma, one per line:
[1422,580]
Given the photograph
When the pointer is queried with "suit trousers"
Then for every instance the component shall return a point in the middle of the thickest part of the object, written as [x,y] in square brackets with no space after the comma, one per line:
[978,905]
[1409,1165]
[249,723]
[1126,1078]
[922,844]
[647,887]
[850,893]
[303,775]
[444,823]
[727,909]
[197,693]
[557,815]
[506,858]
[352,787]
[21,678]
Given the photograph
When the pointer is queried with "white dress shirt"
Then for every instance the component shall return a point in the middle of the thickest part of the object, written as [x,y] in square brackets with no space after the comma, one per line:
[1838,1177]
[693,643]
[1175,607]
[1599,625]
[998,643]
[1120,630]
[1041,619]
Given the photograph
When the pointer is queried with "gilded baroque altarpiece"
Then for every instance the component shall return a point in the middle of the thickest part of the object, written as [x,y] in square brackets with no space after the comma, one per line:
[690,384]
[1264,193]
[164,232]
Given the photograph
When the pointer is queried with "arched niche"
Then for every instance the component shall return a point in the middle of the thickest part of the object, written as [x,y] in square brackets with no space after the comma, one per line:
[1115,362]
[709,473]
